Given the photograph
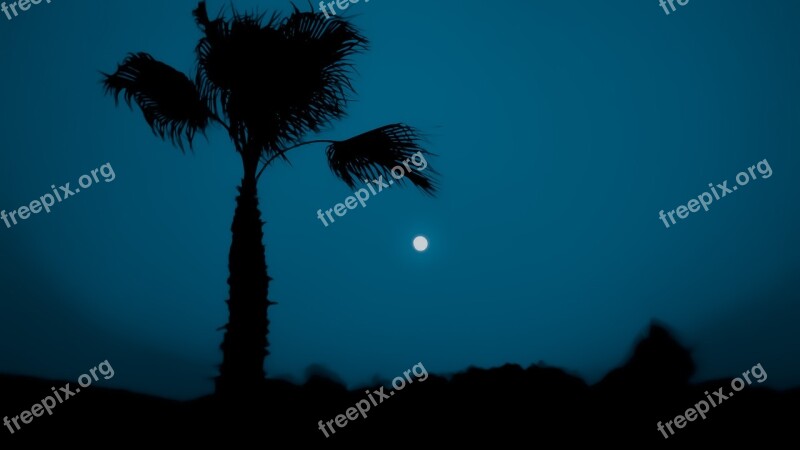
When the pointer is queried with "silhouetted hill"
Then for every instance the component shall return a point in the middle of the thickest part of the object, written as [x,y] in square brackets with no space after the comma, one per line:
[530,407]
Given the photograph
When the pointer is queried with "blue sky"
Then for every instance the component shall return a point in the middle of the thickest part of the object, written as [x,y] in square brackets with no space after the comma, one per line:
[562,129]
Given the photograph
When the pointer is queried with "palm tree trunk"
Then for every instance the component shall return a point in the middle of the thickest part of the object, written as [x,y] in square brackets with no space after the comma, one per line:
[244,345]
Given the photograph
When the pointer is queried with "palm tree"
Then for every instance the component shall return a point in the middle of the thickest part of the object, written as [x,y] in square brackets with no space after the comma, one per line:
[269,84]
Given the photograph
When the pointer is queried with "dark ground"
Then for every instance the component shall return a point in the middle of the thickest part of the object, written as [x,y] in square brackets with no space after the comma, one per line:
[502,407]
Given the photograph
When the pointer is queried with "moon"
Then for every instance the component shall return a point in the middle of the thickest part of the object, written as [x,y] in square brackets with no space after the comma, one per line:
[420,243]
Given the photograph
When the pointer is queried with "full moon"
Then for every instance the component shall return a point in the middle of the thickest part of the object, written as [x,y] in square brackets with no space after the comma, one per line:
[420,243]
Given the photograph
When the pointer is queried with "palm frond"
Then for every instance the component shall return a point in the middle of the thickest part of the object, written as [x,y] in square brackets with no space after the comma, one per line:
[170,102]
[319,51]
[372,154]
[276,79]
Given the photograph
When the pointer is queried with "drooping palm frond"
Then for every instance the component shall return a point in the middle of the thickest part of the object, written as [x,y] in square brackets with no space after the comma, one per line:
[278,79]
[215,32]
[170,102]
[320,50]
[374,153]
[225,51]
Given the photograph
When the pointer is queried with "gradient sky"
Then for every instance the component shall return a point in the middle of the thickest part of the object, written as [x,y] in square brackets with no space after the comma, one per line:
[562,128]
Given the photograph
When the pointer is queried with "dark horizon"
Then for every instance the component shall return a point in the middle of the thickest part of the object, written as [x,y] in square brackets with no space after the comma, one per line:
[651,388]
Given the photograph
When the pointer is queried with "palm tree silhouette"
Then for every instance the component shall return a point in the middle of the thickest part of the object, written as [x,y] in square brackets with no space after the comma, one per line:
[268,83]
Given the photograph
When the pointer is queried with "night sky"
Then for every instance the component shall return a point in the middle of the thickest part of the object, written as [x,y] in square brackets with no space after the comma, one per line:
[562,128]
